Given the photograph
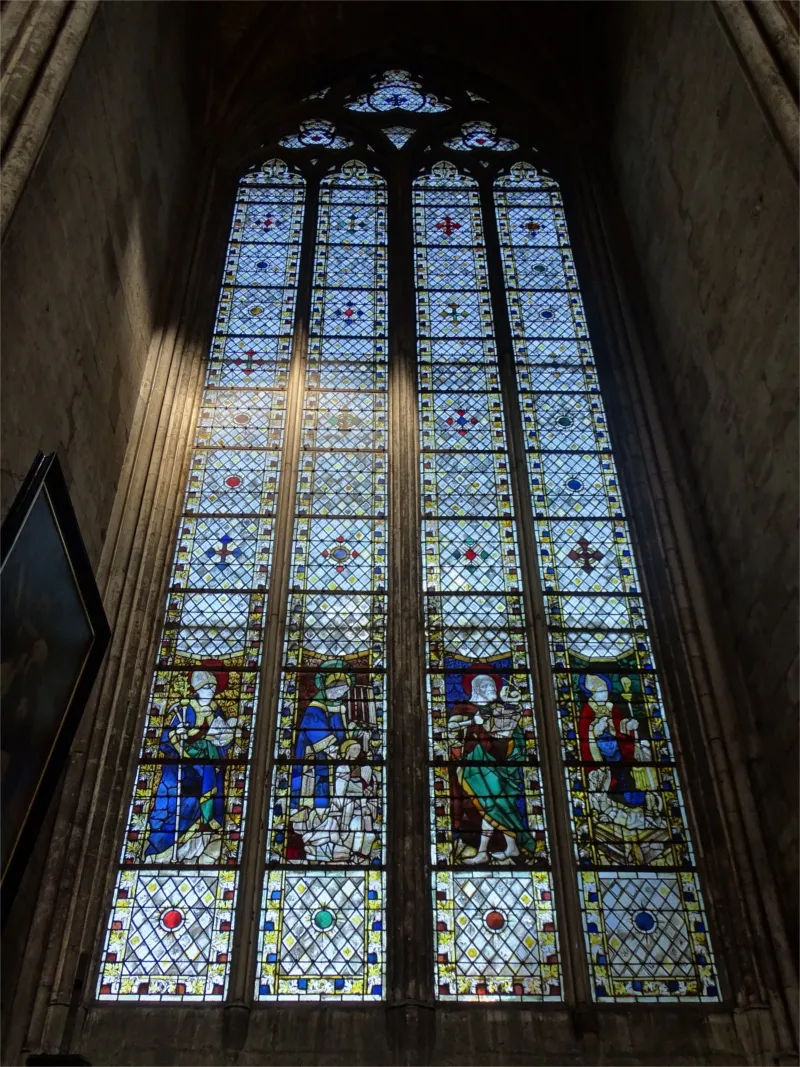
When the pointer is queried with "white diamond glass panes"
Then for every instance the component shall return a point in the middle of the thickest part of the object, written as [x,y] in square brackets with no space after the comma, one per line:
[644,924]
[494,918]
[170,928]
[399,135]
[322,918]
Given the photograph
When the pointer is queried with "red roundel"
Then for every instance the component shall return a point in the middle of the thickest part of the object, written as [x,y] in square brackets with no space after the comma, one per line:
[233,482]
[495,920]
[172,919]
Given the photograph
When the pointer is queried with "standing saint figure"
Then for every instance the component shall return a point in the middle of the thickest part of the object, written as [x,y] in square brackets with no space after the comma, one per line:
[322,802]
[320,732]
[491,779]
[188,811]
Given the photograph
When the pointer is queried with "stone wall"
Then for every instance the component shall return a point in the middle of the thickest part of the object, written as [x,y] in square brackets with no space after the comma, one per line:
[84,255]
[712,208]
[83,270]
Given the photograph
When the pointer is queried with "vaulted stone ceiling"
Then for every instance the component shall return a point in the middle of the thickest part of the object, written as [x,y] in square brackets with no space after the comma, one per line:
[544,61]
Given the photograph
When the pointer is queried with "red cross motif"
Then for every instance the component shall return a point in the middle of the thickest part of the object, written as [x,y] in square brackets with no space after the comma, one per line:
[223,553]
[586,558]
[448,225]
[248,365]
[269,221]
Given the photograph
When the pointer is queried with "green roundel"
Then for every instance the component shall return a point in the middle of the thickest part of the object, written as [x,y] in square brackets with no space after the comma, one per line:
[323,919]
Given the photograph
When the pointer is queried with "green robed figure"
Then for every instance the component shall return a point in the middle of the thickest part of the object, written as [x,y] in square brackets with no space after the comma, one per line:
[491,777]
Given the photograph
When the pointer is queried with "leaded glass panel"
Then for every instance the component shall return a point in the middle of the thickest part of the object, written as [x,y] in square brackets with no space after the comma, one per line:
[170,929]
[644,924]
[316,133]
[397,90]
[399,135]
[322,917]
[494,918]
[480,136]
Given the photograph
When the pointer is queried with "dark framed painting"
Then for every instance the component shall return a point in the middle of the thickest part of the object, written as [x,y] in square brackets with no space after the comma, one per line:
[53,636]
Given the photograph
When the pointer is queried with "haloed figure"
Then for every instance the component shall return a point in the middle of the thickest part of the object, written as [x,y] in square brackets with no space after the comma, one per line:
[189,809]
[491,777]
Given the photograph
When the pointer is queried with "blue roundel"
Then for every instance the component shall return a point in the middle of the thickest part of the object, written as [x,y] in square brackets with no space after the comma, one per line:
[574,484]
[645,921]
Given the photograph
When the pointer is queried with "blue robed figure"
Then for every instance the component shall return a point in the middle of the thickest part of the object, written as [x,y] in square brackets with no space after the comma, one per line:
[320,733]
[188,810]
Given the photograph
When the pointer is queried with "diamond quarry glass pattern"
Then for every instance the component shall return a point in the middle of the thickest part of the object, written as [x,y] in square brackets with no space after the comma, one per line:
[399,135]
[494,918]
[322,920]
[170,928]
[645,928]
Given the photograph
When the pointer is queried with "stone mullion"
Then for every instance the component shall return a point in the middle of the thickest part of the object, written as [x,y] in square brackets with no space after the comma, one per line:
[572,951]
[410,936]
[248,906]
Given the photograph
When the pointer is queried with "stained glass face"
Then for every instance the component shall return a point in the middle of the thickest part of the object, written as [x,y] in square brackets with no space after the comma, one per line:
[170,928]
[645,928]
[397,90]
[322,916]
[475,136]
[399,135]
[494,919]
[316,133]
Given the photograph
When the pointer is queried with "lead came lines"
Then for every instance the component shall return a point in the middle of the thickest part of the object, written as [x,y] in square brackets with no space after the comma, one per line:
[322,916]
[170,929]
[645,930]
[494,917]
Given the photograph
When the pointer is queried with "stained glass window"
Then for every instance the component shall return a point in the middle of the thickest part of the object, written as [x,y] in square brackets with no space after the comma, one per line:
[499,932]
[480,135]
[316,133]
[322,923]
[170,928]
[397,90]
[399,135]
[644,923]
[492,892]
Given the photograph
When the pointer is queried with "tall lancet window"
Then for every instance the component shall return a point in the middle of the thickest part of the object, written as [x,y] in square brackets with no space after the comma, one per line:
[643,916]
[493,908]
[169,934]
[402,482]
[322,928]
